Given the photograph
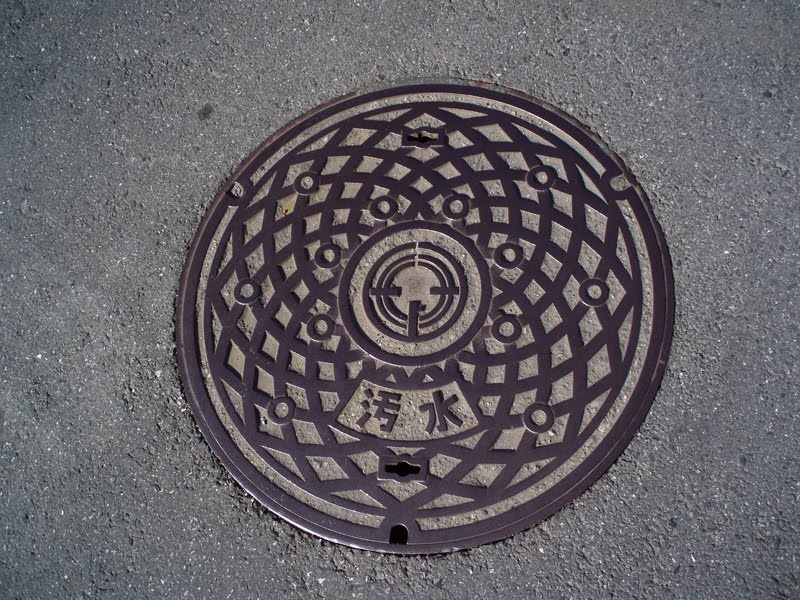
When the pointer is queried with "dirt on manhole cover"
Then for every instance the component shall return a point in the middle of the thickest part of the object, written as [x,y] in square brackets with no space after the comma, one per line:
[424,318]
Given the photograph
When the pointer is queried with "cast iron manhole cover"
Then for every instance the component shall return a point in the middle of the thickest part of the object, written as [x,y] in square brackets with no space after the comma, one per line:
[424,318]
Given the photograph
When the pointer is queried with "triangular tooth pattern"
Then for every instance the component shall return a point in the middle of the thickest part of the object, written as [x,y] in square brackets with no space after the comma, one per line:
[482,475]
[359,496]
[326,468]
[402,490]
[446,501]
[285,460]
[441,464]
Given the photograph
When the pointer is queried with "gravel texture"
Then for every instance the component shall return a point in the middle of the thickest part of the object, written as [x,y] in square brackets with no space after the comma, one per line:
[119,123]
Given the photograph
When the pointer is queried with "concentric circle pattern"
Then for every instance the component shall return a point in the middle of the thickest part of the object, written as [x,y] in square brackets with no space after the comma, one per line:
[424,318]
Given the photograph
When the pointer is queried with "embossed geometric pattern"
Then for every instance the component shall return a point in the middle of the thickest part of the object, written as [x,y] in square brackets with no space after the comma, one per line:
[425,318]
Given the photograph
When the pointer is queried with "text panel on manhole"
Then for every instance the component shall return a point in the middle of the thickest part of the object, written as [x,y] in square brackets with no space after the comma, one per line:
[425,317]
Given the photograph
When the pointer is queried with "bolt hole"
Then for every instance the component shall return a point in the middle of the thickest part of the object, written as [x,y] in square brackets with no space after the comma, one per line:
[402,469]
[320,327]
[306,183]
[508,255]
[328,255]
[281,410]
[506,329]
[539,418]
[398,535]
[593,292]
[541,177]
[456,206]
[246,291]
[383,208]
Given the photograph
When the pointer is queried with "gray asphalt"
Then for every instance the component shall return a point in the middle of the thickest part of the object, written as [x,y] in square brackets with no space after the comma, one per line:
[119,123]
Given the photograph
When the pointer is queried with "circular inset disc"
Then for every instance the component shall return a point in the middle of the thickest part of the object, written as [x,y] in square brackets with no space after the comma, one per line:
[424,318]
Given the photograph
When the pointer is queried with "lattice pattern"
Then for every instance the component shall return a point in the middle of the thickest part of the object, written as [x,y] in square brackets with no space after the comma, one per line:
[325,362]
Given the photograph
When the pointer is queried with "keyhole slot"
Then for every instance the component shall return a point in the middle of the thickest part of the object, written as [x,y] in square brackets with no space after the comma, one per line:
[423,137]
[402,469]
[398,535]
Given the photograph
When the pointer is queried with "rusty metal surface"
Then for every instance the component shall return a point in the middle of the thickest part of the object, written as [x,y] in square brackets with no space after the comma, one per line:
[424,318]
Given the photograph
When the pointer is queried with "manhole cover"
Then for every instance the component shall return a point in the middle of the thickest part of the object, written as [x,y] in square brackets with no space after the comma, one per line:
[424,318]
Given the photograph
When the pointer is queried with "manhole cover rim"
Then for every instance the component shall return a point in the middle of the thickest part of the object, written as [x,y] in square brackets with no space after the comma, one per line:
[607,452]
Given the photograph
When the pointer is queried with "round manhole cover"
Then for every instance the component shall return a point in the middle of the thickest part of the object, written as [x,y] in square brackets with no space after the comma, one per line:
[424,318]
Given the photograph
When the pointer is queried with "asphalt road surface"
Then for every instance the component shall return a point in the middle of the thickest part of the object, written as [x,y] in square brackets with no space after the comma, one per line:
[119,123]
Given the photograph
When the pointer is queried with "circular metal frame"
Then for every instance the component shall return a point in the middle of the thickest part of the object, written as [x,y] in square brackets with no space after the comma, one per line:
[393,532]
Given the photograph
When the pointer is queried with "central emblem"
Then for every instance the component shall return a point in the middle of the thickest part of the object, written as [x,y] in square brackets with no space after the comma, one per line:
[415,293]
